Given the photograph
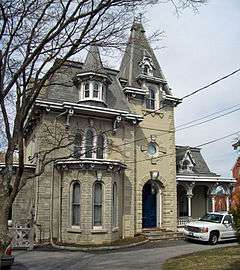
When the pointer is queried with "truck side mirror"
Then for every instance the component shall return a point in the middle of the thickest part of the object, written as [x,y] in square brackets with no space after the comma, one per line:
[225,222]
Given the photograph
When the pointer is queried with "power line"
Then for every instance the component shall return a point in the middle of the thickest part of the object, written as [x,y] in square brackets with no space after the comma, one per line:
[212,83]
[200,145]
[218,139]
[201,118]
[208,120]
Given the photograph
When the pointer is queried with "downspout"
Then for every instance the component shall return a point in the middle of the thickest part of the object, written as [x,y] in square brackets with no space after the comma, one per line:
[135,180]
[52,182]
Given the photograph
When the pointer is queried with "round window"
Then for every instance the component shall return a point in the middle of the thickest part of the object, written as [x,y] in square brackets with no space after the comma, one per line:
[152,149]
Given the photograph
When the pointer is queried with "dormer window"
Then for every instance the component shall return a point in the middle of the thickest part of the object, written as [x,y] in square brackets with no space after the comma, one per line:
[86,90]
[146,70]
[150,102]
[147,64]
[92,90]
[95,90]
[186,165]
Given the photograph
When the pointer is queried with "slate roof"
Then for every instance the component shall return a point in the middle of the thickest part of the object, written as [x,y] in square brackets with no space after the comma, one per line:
[137,47]
[200,168]
[62,89]
[93,61]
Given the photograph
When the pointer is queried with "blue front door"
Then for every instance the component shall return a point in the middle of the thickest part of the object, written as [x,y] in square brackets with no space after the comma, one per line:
[149,206]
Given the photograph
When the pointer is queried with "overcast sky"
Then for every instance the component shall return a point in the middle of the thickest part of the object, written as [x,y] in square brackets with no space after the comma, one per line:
[198,49]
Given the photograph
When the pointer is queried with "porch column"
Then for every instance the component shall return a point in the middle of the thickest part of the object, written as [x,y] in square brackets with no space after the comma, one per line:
[213,203]
[189,205]
[227,202]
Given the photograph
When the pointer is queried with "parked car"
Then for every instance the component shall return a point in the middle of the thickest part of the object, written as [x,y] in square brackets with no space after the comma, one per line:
[212,228]
[6,257]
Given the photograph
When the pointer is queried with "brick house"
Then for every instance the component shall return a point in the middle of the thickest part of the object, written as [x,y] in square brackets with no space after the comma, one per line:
[122,173]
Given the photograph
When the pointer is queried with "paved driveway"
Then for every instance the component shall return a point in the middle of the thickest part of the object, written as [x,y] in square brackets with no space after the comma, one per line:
[150,258]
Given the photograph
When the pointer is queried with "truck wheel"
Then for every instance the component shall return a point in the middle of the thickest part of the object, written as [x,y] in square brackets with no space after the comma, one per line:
[213,238]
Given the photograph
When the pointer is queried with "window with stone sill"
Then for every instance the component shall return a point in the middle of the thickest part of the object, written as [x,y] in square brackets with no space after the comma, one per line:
[151,100]
[94,145]
[75,204]
[97,205]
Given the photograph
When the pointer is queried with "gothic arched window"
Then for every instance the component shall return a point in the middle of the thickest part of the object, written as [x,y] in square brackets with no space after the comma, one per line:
[76,204]
[100,146]
[89,144]
[97,204]
[150,102]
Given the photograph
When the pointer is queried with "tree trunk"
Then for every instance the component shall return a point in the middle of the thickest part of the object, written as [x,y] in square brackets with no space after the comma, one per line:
[4,211]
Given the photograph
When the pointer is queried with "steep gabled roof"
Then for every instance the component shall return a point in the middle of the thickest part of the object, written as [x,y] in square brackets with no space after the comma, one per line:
[93,62]
[200,167]
[137,48]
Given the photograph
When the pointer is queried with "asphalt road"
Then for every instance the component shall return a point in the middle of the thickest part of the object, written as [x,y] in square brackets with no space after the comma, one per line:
[150,257]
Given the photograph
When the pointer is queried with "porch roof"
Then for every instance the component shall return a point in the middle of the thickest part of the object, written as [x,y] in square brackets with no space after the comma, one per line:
[194,178]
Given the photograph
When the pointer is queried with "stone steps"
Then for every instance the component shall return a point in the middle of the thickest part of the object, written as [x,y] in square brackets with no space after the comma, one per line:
[156,235]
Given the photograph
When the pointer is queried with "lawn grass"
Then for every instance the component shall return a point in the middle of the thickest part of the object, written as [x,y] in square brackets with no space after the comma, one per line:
[215,259]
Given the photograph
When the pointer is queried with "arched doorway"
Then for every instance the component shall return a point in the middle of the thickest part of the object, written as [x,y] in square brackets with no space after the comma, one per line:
[151,205]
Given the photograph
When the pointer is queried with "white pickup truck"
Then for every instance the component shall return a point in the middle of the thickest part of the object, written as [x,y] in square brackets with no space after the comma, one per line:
[212,228]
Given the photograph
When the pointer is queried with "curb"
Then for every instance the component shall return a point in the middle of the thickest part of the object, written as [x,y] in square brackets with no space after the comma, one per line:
[98,248]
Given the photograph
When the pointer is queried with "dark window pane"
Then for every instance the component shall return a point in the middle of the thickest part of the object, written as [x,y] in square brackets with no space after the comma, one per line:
[76,204]
[100,146]
[86,90]
[150,102]
[95,90]
[89,144]
[77,145]
[97,219]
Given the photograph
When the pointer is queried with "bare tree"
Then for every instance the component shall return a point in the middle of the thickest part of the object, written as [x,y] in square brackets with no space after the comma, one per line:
[33,34]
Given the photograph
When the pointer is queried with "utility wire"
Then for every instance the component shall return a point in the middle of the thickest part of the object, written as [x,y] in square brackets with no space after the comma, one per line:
[218,139]
[200,145]
[204,117]
[212,83]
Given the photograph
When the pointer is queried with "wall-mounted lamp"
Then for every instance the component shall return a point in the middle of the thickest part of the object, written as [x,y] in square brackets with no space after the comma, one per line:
[154,175]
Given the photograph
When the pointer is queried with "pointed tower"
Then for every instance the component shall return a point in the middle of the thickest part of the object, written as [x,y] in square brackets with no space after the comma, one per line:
[139,62]
[93,62]
[93,80]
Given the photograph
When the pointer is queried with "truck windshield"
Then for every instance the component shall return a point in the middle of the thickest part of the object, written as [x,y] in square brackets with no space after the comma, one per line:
[215,218]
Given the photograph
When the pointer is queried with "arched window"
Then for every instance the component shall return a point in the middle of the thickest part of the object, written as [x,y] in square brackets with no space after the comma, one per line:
[114,206]
[97,204]
[146,70]
[77,145]
[75,204]
[86,90]
[100,146]
[89,144]
[185,165]
[95,90]
[150,102]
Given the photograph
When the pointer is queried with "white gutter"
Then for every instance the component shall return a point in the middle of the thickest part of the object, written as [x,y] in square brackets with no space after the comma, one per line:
[205,179]
[87,108]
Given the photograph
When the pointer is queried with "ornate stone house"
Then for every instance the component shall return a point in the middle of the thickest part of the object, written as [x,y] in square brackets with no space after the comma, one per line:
[118,176]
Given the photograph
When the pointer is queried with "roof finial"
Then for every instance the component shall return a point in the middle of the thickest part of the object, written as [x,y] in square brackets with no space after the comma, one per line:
[138,18]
